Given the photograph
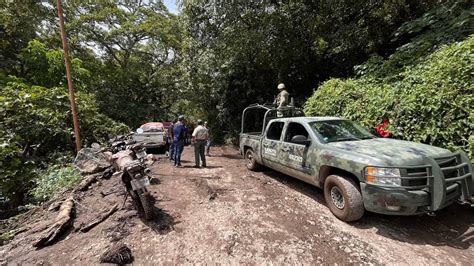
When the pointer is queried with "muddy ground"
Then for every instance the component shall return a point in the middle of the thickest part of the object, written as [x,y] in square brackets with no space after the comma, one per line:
[227,214]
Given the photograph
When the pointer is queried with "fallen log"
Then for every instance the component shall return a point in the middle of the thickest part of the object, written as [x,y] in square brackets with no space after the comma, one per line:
[111,191]
[118,254]
[61,223]
[86,182]
[99,219]
[54,206]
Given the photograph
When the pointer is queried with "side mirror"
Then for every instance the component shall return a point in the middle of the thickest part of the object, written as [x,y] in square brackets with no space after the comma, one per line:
[300,139]
[139,130]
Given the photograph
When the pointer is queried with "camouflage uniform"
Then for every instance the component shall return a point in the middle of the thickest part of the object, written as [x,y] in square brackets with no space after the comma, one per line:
[281,99]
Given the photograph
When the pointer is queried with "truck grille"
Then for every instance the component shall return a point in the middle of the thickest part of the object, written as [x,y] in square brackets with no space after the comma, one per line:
[452,168]
[443,179]
[417,178]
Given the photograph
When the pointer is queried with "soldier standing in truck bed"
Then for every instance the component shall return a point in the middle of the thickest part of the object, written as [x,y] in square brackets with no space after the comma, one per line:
[281,99]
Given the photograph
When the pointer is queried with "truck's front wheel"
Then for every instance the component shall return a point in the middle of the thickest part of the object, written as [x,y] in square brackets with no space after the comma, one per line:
[343,198]
[250,161]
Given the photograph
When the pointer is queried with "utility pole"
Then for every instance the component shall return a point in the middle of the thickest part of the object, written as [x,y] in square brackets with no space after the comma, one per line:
[72,96]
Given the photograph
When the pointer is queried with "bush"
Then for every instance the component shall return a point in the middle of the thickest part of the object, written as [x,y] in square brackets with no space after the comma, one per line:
[35,123]
[430,102]
[54,180]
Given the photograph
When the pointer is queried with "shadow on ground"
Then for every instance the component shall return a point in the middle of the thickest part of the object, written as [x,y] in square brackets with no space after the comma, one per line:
[452,226]
[162,222]
[230,156]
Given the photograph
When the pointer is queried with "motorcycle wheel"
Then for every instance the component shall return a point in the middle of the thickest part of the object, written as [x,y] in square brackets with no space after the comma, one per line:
[136,201]
[146,204]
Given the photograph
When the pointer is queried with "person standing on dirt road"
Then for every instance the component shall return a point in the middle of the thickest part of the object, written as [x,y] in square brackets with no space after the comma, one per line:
[208,143]
[200,137]
[179,132]
[172,148]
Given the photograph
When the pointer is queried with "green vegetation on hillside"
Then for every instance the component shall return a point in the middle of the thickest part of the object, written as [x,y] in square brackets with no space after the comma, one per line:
[425,88]
[430,102]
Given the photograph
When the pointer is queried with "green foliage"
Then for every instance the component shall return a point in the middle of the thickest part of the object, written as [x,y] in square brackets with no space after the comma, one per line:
[45,67]
[137,76]
[449,22]
[54,180]
[41,116]
[431,101]
[16,172]
[237,53]
[19,23]
[5,237]
[35,122]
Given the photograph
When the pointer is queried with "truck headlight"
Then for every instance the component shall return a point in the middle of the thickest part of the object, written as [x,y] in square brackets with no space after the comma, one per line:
[383,176]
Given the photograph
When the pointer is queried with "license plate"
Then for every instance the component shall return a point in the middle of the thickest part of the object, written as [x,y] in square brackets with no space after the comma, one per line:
[140,183]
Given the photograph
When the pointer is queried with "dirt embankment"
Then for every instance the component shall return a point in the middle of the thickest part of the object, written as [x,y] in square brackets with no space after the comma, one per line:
[227,214]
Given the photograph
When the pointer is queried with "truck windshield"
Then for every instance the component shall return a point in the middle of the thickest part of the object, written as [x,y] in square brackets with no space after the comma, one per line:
[339,130]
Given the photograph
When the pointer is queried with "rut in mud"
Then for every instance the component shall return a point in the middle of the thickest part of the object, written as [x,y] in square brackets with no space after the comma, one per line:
[227,214]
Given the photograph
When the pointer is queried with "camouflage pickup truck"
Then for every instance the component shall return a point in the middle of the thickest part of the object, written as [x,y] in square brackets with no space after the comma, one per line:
[358,171]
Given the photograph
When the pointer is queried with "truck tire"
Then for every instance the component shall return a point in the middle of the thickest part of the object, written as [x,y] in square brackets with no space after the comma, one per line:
[146,205]
[250,161]
[343,198]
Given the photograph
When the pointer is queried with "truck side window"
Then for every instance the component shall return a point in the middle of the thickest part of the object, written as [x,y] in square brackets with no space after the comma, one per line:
[274,131]
[295,129]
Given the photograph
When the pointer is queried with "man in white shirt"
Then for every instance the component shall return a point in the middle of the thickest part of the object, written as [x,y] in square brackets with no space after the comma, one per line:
[200,136]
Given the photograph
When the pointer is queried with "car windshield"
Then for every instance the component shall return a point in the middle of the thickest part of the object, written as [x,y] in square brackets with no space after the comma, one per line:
[340,130]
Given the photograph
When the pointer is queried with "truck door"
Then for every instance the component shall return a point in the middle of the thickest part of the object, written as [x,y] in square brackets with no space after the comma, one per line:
[295,155]
[271,144]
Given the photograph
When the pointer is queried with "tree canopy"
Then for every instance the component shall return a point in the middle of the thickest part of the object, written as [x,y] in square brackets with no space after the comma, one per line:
[237,54]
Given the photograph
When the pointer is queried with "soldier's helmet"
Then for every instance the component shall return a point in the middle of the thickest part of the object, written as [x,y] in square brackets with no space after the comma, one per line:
[281,86]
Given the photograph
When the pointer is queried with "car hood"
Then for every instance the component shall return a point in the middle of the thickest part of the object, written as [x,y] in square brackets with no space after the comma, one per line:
[393,152]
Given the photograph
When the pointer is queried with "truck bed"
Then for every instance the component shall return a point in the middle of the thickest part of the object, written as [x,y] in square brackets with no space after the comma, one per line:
[252,140]
[150,139]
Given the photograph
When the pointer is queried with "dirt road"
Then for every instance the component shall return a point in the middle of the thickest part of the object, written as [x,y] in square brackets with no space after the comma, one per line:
[227,214]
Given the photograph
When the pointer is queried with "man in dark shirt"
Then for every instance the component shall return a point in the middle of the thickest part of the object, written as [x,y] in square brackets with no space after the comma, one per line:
[171,141]
[179,132]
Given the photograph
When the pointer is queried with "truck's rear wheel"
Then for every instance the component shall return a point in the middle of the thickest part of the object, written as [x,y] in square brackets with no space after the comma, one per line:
[250,161]
[344,198]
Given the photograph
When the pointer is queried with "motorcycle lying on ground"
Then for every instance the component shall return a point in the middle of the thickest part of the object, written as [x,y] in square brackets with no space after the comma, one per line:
[134,174]
[120,143]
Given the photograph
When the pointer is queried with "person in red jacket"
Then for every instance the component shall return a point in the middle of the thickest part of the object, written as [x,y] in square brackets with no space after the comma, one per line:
[382,129]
